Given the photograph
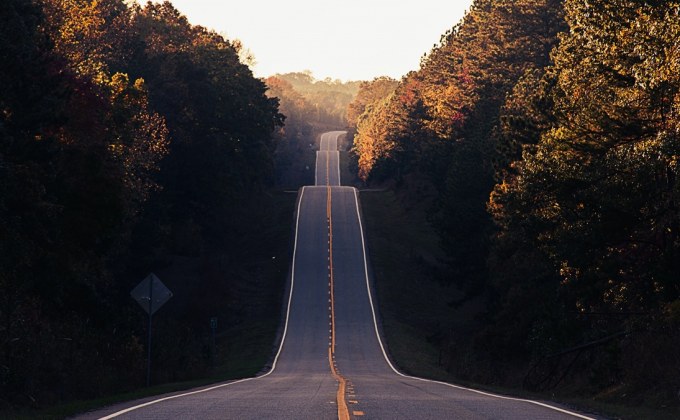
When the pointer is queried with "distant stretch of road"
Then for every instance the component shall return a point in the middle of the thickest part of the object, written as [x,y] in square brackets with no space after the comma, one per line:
[331,363]
[328,161]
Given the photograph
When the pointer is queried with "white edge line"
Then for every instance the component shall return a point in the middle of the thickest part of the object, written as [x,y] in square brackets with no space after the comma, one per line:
[375,325]
[316,169]
[278,353]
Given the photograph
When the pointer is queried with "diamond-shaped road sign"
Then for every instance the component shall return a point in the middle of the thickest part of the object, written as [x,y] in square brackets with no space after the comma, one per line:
[151,294]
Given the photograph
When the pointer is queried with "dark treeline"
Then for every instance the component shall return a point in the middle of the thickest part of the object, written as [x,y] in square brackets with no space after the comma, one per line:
[546,135]
[130,141]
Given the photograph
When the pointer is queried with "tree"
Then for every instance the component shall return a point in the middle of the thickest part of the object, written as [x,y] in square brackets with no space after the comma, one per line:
[594,193]
[218,116]
[594,168]
[466,81]
[369,93]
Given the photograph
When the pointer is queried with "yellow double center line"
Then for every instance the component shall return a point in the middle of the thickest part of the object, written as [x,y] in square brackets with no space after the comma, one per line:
[343,412]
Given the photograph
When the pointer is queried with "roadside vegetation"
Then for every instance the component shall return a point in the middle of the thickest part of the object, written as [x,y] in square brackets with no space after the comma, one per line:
[421,327]
[539,141]
[132,141]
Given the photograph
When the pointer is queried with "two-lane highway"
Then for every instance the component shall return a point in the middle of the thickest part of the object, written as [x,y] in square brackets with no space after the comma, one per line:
[331,362]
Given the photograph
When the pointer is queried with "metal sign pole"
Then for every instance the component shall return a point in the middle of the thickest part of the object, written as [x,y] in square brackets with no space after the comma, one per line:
[146,301]
[148,355]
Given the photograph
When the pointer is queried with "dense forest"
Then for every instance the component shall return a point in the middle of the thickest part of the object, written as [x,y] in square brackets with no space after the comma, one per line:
[131,141]
[543,136]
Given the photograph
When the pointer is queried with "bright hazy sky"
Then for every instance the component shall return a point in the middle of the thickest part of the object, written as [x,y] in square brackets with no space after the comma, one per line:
[342,39]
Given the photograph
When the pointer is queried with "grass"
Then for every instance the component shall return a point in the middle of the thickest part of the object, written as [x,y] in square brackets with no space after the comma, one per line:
[413,304]
[405,254]
[262,291]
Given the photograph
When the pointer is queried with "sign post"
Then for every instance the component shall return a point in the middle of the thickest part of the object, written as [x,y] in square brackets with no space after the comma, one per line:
[151,294]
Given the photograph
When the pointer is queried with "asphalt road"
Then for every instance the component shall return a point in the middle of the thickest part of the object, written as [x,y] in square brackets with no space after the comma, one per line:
[327,170]
[331,363]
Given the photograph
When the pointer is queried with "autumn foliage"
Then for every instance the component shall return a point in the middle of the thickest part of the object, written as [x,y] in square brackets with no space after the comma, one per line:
[549,131]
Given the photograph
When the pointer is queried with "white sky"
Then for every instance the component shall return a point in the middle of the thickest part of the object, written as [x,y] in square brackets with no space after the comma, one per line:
[343,39]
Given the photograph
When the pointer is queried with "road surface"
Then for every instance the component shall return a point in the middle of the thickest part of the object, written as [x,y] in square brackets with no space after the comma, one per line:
[327,170]
[331,363]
